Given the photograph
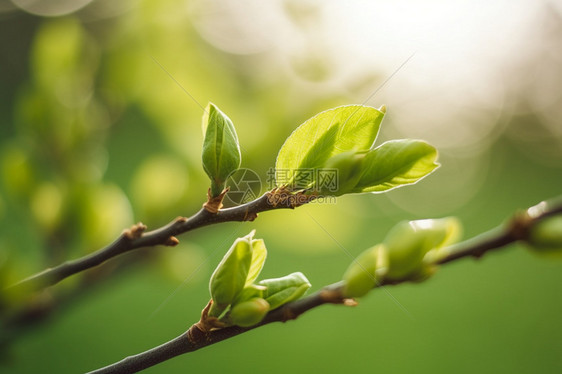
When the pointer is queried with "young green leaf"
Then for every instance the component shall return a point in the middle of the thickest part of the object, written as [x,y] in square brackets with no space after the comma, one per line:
[280,291]
[347,167]
[250,292]
[259,254]
[396,163]
[221,151]
[229,278]
[338,130]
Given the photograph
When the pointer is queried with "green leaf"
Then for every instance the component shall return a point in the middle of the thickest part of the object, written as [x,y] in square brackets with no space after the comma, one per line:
[221,151]
[249,292]
[396,163]
[259,255]
[348,167]
[229,278]
[335,131]
[285,289]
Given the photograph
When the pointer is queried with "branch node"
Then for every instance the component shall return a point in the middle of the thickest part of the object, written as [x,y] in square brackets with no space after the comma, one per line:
[249,216]
[520,225]
[172,241]
[288,315]
[332,296]
[281,196]
[194,334]
[135,231]
[350,302]
[207,324]
[478,254]
[181,219]
[214,204]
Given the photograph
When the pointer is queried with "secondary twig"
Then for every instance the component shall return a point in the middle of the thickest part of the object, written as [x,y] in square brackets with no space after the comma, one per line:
[135,237]
[196,337]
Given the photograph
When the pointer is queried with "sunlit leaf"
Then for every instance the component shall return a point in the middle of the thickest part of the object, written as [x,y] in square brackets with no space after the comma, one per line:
[396,163]
[282,290]
[338,130]
[250,292]
[229,277]
[259,255]
[347,168]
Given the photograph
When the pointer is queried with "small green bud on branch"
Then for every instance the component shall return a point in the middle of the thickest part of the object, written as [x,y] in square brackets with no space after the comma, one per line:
[546,236]
[366,272]
[408,243]
[249,312]
[236,299]
[221,151]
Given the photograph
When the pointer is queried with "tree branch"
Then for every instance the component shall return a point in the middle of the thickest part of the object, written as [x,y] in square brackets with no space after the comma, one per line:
[135,237]
[198,336]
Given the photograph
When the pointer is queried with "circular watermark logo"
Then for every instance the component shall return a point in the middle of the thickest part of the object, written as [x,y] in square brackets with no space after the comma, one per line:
[245,186]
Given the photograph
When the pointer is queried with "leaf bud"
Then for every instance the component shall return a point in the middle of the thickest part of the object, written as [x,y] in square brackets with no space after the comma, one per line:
[249,313]
[365,272]
[221,151]
[546,236]
[408,244]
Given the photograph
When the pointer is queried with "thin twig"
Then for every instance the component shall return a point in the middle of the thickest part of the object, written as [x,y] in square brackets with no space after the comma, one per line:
[135,237]
[196,338]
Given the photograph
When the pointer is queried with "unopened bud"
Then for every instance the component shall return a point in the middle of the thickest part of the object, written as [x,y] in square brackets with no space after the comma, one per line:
[408,244]
[249,313]
[546,236]
[366,271]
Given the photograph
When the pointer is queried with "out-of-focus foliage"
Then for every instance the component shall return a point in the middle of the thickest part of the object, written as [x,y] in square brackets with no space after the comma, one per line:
[96,134]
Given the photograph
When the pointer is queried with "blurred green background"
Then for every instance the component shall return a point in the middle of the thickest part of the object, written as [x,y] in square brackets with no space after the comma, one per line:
[96,133]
